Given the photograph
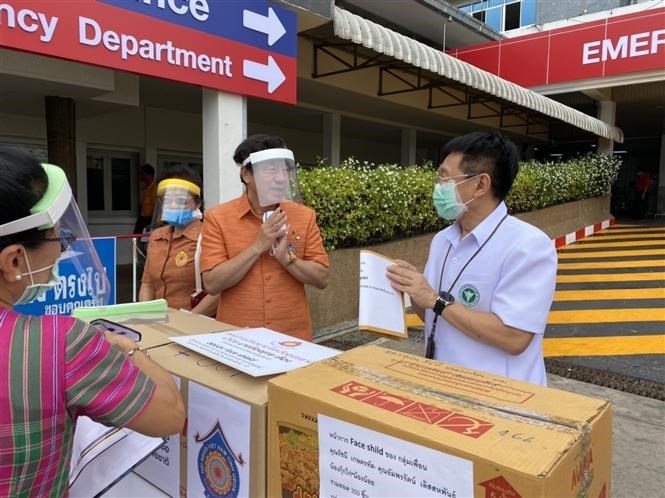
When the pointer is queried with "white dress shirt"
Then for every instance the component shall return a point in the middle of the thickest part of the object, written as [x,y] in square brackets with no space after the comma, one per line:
[513,276]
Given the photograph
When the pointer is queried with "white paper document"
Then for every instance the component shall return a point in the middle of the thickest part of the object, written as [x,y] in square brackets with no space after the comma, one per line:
[354,461]
[381,308]
[103,455]
[256,352]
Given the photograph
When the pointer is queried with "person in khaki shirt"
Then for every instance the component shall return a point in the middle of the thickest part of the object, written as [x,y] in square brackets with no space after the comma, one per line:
[170,268]
[259,268]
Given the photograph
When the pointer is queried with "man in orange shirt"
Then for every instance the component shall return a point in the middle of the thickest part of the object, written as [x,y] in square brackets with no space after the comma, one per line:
[259,267]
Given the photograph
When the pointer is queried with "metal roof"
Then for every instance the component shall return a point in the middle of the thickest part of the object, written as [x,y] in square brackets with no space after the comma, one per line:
[384,41]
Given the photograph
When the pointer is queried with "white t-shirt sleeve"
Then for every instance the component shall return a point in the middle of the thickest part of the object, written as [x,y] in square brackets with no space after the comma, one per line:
[523,296]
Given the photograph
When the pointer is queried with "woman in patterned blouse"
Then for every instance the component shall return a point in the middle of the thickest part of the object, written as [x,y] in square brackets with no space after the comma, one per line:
[56,368]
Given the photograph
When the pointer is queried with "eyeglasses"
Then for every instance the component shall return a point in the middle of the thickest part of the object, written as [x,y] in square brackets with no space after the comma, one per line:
[444,179]
[66,238]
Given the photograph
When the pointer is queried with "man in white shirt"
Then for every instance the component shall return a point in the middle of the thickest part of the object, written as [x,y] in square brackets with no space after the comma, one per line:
[489,280]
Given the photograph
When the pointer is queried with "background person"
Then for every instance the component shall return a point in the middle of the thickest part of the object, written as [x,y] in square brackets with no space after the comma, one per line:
[148,197]
[643,186]
[489,280]
[259,267]
[170,270]
[56,368]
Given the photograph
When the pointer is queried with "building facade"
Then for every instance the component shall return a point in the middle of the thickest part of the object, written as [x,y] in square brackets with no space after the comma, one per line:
[366,80]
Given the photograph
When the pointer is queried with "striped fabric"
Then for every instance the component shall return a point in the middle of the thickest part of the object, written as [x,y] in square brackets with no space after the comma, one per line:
[53,369]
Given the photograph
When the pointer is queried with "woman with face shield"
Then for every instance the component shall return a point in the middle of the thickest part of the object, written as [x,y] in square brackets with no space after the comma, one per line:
[172,263]
[57,368]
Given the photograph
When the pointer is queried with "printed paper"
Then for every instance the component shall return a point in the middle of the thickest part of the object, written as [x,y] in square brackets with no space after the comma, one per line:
[354,461]
[257,352]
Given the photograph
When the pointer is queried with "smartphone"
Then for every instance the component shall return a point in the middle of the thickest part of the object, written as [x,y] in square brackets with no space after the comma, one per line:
[268,214]
[109,326]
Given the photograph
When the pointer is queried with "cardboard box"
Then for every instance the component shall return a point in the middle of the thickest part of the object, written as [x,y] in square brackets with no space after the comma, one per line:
[177,323]
[223,449]
[374,422]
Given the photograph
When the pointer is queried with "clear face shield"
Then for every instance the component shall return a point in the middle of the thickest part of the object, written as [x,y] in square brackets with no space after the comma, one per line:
[177,204]
[58,212]
[275,176]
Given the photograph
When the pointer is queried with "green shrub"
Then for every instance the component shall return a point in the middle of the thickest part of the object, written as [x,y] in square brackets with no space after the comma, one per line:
[359,204]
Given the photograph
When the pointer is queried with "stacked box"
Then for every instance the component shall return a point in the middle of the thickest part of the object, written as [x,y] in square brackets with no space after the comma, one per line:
[222,450]
[374,422]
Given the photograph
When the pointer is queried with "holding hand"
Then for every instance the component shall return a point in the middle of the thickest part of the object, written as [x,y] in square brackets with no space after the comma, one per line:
[406,278]
[271,230]
[123,343]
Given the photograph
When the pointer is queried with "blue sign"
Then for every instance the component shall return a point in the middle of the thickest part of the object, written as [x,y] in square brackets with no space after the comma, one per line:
[256,23]
[77,289]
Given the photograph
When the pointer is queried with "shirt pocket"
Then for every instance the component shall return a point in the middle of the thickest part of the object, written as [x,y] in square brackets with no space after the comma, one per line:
[474,291]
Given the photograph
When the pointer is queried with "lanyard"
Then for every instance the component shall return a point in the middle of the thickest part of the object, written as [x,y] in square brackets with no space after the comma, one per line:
[430,339]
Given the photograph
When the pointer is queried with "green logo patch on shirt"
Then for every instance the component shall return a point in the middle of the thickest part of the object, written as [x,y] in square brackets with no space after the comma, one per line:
[468,295]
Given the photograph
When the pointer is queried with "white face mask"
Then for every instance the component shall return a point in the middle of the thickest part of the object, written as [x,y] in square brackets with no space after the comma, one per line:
[33,291]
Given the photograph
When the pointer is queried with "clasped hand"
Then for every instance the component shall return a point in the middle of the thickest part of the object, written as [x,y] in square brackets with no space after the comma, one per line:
[273,235]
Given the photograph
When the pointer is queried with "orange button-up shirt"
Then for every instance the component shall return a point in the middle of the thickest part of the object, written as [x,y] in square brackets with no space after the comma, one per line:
[169,264]
[267,296]
[148,199]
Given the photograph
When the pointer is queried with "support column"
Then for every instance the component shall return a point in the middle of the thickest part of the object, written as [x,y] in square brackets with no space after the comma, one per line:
[61,135]
[82,172]
[607,114]
[332,138]
[224,127]
[408,147]
[660,200]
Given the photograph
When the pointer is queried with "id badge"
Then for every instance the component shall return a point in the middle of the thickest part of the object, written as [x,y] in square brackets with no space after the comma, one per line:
[429,350]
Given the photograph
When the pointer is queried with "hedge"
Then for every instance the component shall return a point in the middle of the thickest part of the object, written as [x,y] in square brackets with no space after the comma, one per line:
[359,204]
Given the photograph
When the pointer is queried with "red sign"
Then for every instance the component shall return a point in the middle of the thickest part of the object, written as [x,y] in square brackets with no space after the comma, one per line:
[499,488]
[175,40]
[618,45]
[429,414]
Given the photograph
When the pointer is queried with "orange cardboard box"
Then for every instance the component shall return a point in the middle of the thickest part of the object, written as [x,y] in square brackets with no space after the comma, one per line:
[374,422]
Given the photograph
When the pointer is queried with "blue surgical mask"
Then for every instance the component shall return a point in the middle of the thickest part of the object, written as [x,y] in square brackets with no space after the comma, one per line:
[447,202]
[33,291]
[177,217]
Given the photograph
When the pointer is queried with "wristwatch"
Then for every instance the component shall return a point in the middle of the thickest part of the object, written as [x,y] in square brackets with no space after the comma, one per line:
[444,299]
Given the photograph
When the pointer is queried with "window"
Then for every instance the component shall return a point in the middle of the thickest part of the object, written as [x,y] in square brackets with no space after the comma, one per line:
[112,179]
[195,162]
[512,16]
[494,18]
[528,12]
[503,15]
[121,183]
[479,15]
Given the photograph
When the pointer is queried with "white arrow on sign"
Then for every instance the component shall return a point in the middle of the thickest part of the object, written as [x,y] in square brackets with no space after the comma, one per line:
[270,24]
[270,73]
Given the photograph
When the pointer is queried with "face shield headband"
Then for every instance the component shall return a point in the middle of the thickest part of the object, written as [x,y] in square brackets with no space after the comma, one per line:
[87,283]
[275,176]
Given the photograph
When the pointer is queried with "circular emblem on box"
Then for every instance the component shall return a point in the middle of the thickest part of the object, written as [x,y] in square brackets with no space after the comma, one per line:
[217,465]
[468,295]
